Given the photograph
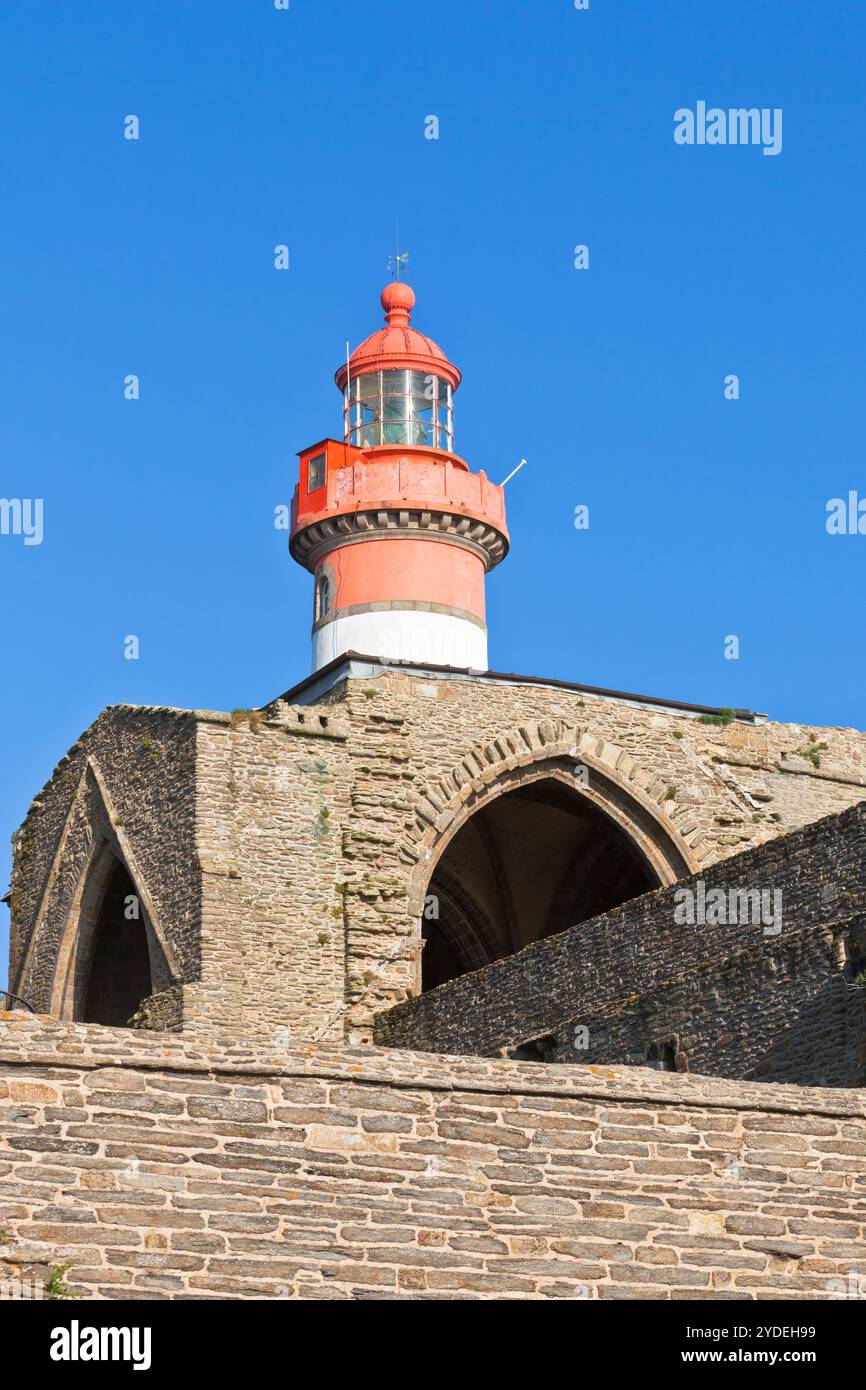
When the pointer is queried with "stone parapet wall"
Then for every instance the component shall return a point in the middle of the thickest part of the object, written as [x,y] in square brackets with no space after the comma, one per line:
[165,1167]
[826,1043]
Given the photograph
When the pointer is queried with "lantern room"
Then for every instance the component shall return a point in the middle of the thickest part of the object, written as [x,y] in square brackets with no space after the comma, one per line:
[398,386]
[398,407]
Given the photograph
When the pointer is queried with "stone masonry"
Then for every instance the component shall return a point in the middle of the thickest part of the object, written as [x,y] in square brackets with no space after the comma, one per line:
[738,998]
[167,1167]
[282,856]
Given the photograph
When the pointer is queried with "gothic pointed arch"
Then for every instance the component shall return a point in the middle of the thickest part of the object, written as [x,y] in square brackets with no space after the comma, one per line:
[112,953]
[539,829]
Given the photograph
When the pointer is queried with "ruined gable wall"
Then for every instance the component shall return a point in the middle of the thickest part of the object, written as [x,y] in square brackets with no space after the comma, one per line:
[145,765]
[232,826]
[164,1167]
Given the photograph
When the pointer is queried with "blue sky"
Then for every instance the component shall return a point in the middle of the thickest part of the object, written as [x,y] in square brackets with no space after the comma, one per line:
[306,127]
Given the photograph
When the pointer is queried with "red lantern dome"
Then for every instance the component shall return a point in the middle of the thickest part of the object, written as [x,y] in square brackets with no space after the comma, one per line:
[397,345]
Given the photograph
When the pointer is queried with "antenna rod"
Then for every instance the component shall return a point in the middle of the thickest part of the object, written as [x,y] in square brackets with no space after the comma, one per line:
[348,396]
[512,473]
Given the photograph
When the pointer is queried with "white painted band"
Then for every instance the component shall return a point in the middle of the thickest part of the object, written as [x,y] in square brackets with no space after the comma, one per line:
[400,634]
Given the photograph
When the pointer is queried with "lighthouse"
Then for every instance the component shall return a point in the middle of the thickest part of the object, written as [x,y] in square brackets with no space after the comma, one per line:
[396,529]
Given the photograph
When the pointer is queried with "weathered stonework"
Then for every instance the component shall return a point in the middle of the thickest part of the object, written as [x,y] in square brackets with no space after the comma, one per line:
[164,1167]
[743,998]
[215,913]
[229,818]
[130,784]
[283,856]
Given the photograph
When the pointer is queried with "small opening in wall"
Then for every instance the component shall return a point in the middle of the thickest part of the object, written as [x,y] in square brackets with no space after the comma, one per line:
[855,966]
[535,1050]
[661,1056]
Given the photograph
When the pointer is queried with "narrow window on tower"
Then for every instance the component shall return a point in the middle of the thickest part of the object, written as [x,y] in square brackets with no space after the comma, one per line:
[316,472]
[322,601]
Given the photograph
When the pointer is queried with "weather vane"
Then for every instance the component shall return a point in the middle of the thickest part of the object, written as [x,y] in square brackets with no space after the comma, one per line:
[400,261]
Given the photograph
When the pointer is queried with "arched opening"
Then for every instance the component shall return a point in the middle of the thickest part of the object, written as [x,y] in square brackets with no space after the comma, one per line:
[526,865]
[321,597]
[115,972]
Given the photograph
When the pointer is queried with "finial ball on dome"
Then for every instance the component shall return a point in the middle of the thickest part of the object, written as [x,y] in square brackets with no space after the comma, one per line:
[398,300]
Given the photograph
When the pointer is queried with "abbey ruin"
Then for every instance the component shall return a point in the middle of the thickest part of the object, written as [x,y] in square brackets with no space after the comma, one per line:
[384,987]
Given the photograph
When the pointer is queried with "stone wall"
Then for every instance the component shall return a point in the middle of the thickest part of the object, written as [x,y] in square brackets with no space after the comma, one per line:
[425,749]
[166,1167]
[638,978]
[229,825]
[271,797]
[129,783]
[826,1042]
[741,783]
[286,856]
